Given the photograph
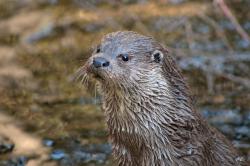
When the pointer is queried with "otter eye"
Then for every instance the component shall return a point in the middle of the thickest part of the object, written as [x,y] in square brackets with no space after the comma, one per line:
[124,57]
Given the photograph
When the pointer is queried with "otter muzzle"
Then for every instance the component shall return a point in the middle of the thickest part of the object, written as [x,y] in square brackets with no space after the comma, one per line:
[100,62]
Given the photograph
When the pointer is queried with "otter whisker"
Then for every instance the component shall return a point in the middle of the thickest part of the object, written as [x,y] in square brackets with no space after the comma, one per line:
[95,95]
[79,73]
[86,80]
[83,79]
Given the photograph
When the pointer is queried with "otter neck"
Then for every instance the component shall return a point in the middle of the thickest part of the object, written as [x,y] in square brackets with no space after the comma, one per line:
[148,106]
[147,115]
[150,100]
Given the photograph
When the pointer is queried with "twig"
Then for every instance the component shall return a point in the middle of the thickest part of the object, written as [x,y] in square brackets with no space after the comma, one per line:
[219,31]
[240,80]
[225,9]
[214,66]
[189,36]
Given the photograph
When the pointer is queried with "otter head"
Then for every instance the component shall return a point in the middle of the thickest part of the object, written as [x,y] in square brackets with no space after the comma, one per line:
[125,61]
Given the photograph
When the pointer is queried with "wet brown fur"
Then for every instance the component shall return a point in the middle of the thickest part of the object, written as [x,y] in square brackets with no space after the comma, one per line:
[150,116]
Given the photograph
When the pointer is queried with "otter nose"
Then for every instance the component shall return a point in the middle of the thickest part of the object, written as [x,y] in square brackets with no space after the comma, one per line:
[100,62]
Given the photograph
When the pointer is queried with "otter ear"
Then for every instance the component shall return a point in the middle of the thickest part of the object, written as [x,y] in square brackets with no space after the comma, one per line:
[157,56]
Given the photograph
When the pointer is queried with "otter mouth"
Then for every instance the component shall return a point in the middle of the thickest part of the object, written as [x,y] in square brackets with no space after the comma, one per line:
[96,75]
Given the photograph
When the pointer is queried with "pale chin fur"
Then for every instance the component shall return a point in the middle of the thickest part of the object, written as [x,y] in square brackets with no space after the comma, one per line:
[132,112]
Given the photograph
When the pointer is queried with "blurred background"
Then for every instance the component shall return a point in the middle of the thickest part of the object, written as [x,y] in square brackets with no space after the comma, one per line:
[48,119]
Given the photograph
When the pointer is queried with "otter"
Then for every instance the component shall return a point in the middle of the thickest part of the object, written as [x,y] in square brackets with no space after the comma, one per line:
[149,112]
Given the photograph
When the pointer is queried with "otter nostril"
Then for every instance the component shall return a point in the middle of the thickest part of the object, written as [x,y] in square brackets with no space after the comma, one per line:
[100,62]
[106,64]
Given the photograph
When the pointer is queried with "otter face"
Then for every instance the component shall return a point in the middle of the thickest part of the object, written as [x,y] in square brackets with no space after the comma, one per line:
[124,57]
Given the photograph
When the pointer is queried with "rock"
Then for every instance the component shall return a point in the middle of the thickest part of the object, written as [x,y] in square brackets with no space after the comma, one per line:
[12,76]
[57,155]
[227,130]
[48,142]
[225,24]
[166,24]
[15,72]
[202,28]
[96,153]
[92,27]
[99,158]
[241,144]
[50,2]
[44,32]
[24,22]
[27,145]
[78,154]
[17,161]
[221,117]
[6,145]
[81,156]
[247,25]
[247,118]
[176,2]
[101,148]
[84,101]
[35,108]
[7,55]
[243,133]
[67,161]
[241,43]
